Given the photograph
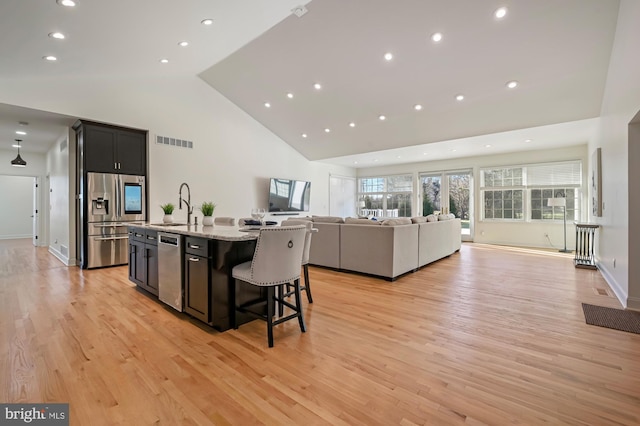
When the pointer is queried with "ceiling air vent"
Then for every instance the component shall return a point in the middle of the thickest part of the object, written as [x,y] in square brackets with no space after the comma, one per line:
[164,140]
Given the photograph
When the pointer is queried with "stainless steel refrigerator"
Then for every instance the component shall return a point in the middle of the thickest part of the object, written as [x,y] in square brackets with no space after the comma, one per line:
[111,203]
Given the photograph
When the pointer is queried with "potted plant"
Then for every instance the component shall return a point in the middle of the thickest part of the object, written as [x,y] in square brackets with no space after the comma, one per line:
[168,212]
[207,209]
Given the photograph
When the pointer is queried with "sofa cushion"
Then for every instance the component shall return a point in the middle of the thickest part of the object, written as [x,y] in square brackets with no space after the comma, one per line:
[419,219]
[356,221]
[328,219]
[397,221]
[432,218]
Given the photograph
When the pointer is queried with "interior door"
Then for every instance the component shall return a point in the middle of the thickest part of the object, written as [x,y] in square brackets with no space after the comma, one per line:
[342,196]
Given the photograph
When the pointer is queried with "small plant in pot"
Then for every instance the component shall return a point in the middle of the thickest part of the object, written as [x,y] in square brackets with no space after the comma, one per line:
[168,212]
[207,209]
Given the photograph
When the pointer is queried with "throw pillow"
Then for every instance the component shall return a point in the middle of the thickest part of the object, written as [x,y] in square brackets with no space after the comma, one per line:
[419,219]
[432,218]
[328,219]
[398,221]
[356,221]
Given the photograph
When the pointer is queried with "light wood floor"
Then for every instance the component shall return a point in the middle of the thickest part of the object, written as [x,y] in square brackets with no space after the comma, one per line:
[491,335]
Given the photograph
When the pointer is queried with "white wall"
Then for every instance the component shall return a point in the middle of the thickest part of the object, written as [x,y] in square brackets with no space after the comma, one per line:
[531,234]
[35,168]
[16,198]
[620,104]
[60,201]
[233,155]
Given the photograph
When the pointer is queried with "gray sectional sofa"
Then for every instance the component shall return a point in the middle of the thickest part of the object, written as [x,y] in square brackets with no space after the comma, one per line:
[387,248]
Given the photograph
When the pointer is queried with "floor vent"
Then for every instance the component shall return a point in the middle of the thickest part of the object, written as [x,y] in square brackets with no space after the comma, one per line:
[181,143]
[602,292]
[64,250]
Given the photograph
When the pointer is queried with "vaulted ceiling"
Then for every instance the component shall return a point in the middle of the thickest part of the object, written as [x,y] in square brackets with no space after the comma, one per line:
[258,52]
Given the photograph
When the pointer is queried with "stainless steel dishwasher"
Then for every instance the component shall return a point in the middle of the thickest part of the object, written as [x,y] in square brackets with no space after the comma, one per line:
[170,255]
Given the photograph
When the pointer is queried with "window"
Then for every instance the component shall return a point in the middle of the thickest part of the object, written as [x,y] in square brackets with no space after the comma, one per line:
[503,204]
[502,193]
[431,186]
[521,193]
[388,196]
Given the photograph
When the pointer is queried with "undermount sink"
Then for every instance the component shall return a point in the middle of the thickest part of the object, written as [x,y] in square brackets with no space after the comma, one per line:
[167,224]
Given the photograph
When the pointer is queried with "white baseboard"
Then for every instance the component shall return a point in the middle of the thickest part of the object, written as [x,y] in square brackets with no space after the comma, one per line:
[633,303]
[15,237]
[620,293]
[61,257]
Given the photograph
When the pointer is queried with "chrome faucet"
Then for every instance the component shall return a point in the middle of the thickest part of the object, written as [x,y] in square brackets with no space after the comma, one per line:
[187,202]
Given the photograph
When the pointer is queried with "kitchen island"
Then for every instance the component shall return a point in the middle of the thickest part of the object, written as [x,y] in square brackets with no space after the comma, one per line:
[197,278]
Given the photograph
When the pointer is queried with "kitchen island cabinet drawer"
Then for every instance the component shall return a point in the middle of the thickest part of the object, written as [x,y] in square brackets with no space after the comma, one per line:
[197,246]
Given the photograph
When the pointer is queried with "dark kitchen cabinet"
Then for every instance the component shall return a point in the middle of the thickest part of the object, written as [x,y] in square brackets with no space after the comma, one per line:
[197,278]
[112,149]
[143,259]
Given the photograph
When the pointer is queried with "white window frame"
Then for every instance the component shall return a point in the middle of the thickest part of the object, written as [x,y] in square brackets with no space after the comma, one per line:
[385,194]
[528,183]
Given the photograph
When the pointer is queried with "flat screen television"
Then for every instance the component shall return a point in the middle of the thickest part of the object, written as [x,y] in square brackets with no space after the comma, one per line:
[288,195]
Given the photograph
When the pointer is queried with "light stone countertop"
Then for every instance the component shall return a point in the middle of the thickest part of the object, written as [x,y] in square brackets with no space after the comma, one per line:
[214,232]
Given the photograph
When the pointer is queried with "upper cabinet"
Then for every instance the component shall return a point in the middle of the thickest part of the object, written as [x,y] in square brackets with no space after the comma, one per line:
[111,149]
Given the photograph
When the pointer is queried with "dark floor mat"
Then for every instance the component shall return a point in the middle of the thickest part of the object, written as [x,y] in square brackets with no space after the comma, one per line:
[617,319]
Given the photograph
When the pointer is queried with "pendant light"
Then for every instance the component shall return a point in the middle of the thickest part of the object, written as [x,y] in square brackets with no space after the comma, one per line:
[18,161]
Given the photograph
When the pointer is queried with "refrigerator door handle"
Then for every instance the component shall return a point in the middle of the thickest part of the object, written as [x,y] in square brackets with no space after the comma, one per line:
[118,195]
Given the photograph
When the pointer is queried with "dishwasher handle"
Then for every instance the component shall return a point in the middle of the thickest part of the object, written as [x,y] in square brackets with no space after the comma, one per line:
[169,239]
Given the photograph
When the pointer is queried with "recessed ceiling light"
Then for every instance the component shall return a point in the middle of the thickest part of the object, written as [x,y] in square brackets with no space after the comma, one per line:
[388,56]
[487,146]
[267,104]
[453,150]
[50,58]
[20,132]
[527,140]
[436,37]
[164,61]
[382,117]
[512,84]
[375,160]
[417,107]
[352,124]
[57,35]
[424,153]
[355,162]
[317,86]
[183,44]
[290,95]
[459,97]
[327,130]
[501,13]
[304,135]
[68,3]
[399,156]
[207,21]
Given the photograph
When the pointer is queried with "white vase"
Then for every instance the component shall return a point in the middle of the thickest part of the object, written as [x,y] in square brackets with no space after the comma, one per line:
[167,218]
[207,220]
